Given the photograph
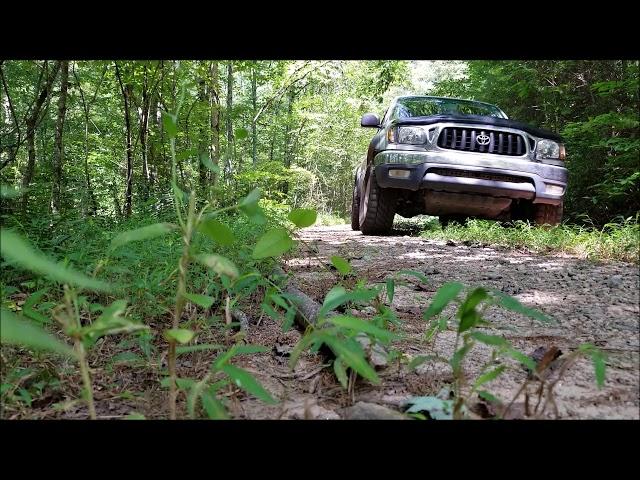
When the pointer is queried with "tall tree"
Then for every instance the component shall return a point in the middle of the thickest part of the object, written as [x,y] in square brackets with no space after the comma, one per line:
[229,120]
[214,102]
[31,121]
[58,155]
[125,89]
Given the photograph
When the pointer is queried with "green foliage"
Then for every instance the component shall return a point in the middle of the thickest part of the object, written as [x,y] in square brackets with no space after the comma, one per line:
[18,251]
[17,331]
[615,241]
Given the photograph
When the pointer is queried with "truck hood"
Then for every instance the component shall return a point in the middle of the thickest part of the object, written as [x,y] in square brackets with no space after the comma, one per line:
[480,120]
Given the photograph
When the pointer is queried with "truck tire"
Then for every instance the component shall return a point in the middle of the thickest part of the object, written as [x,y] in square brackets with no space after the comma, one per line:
[377,208]
[355,207]
[550,215]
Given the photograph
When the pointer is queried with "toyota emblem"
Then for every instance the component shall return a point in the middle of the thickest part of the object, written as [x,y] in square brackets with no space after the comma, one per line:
[483,139]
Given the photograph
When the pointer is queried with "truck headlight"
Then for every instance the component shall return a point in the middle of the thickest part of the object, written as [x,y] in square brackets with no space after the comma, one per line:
[550,149]
[408,135]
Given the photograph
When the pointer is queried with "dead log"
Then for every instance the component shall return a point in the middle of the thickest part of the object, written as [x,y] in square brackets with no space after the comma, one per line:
[307,310]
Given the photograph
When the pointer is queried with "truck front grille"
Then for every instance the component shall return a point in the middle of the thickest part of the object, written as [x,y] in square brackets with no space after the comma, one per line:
[500,177]
[466,139]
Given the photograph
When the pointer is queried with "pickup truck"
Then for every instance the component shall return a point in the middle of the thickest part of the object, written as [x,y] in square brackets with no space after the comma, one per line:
[456,159]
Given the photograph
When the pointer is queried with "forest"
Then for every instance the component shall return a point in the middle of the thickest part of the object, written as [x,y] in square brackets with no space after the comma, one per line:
[172,238]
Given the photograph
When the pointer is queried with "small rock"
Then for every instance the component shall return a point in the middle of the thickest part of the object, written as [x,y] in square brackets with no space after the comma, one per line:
[371,411]
[615,281]
[451,243]
[493,276]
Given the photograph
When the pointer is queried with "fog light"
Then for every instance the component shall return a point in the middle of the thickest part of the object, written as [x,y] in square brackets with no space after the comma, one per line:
[399,173]
[554,189]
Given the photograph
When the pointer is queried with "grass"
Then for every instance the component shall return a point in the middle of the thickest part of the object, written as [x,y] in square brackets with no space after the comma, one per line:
[615,241]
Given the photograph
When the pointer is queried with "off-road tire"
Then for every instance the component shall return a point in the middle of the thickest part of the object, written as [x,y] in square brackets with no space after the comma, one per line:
[377,208]
[355,207]
[549,215]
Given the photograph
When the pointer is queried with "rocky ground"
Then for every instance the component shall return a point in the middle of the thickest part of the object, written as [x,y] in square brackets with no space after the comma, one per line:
[590,302]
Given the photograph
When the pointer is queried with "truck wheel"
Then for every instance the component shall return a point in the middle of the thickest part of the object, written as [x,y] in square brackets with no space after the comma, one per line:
[545,214]
[355,207]
[377,208]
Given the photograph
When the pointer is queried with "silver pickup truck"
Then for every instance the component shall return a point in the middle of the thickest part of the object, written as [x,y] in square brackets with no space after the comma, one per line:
[456,159]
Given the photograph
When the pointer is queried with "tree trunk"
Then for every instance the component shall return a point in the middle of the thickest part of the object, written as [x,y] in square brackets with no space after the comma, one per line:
[202,136]
[31,122]
[214,100]
[229,152]
[152,143]
[126,97]
[58,156]
[254,133]
[144,132]
[287,139]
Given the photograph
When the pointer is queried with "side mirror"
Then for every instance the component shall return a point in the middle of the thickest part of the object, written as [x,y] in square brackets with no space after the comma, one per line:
[370,120]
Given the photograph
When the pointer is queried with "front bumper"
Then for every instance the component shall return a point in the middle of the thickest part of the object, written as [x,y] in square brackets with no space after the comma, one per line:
[539,182]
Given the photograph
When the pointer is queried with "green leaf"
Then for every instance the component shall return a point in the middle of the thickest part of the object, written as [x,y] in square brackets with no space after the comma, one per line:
[17,331]
[510,303]
[390,289]
[182,383]
[272,244]
[469,317]
[334,293]
[489,397]
[200,300]
[251,199]
[215,410]
[207,162]
[143,233]
[241,133]
[249,206]
[217,231]
[489,339]
[32,313]
[169,123]
[599,367]
[219,264]
[237,350]
[303,217]
[456,359]
[437,408]
[352,357]
[245,381]
[9,191]
[17,250]
[420,359]
[359,325]
[341,264]
[180,335]
[336,297]
[487,377]
[198,348]
[599,361]
[445,294]
[341,374]
[522,358]
[420,276]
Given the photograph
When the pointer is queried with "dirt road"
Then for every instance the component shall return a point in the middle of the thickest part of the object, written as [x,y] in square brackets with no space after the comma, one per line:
[591,302]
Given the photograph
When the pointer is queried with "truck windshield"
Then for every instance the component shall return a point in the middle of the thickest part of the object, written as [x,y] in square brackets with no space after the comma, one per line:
[426,106]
